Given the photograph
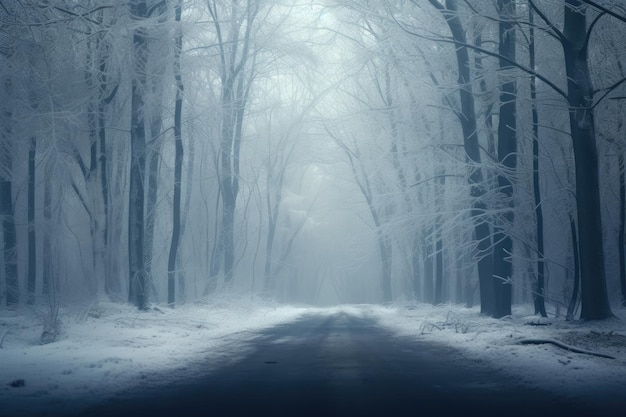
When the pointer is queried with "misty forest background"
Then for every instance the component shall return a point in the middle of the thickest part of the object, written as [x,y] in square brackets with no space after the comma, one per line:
[314,152]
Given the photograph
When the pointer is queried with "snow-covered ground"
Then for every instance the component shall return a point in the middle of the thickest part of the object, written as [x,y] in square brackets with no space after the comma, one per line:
[106,348]
[497,343]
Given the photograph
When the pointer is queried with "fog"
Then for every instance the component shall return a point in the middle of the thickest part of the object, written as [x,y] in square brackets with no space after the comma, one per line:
[179,155]
[309,152]
[325,154]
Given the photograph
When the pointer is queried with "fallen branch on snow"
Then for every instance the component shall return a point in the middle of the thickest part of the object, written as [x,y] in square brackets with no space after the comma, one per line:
[563,346]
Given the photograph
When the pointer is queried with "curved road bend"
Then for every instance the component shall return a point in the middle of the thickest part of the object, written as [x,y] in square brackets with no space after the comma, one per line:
[342,365]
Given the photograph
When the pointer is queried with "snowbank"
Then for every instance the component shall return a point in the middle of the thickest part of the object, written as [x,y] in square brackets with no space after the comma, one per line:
[497,343]
[107,348]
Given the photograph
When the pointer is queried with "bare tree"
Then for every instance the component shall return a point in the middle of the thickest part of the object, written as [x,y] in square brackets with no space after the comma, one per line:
[507,157]
[467,118]
[538,295]
[178,159]
[574,39]
[236,70]
[136,255]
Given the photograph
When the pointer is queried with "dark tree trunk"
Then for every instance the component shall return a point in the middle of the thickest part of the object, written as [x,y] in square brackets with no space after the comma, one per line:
[32,238]
[216,252]
[154,118]
[416,277]
[152,189]
[111,285]
[232,191]
[228,235]
[429,269]
[178,161]
[268,281]
[507,157]
[386,258]
[458,280]
[236,80]
[95,172]
[153,151]
[104,177]
[482,231]
[571,309]
[538,290]
[273,210]
[229,183]
[594,298]
[8,227]
[622,226]
[138,163]
[438,299]
[47,232]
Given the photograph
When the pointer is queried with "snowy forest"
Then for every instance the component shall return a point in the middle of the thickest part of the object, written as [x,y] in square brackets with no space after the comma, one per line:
[314,152]
[284,199]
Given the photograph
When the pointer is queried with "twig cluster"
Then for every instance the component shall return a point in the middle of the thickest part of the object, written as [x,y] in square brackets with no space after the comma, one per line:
[452,322]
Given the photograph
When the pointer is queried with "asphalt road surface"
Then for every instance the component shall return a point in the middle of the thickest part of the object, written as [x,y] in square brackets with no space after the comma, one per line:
[342,365]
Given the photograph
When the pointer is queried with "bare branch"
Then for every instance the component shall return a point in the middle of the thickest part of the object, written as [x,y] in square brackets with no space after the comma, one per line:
[559,35]
[608,91]
[486,52]
[605,10]
[590,30]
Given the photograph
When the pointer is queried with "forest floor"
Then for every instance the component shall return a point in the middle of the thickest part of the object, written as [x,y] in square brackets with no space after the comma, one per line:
[106,349]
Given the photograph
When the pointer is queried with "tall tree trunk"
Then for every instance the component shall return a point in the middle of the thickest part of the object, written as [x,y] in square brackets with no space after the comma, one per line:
[96,176]
[416,276]
[95,63]
[622,227]
[228,181]
[429,269]
[152,190]
[184,216]
[7,215]
[538,290]
[32,238]
[594,298]
[273,210]
[482,231]
[268,279]
[507,157]
[47,280]
[227,239]
[236,79]
[92,188]
[178,161]
[440,182]
[152,183]
[138,162]
[571,309]
[386,248]
[154,119]
[111,285]
[438,299]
